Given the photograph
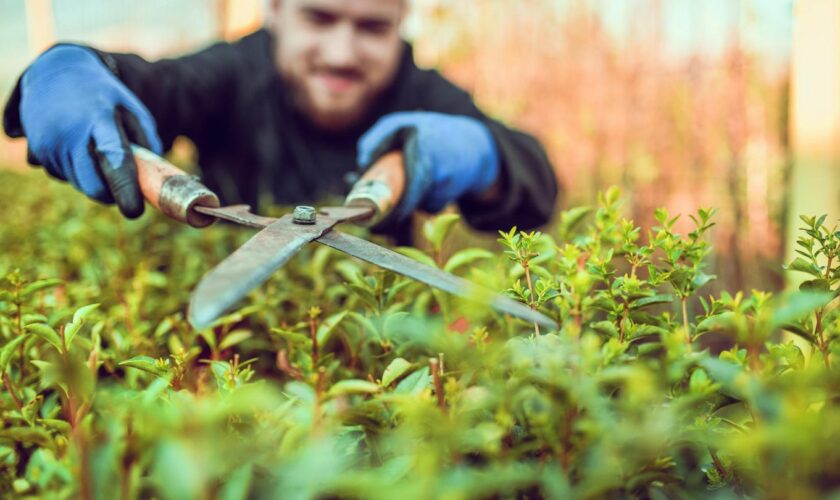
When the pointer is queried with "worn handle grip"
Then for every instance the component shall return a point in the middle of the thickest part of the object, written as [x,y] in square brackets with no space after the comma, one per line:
[381,186]
[171,190]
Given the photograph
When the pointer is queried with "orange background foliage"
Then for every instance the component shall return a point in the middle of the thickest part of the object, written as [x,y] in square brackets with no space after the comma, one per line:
[702,129]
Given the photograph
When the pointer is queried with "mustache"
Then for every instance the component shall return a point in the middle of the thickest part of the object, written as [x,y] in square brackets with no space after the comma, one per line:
[341,72]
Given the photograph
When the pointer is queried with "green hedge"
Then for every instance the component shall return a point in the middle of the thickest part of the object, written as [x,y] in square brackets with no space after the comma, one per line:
[340,380]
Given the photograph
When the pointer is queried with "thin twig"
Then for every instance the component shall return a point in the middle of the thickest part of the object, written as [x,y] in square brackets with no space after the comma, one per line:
[434,364]
[531,289]
[313,334]
[10,387]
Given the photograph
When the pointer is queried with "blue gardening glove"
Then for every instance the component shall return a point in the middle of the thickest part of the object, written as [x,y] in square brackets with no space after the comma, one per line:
[446,157]
[79,120]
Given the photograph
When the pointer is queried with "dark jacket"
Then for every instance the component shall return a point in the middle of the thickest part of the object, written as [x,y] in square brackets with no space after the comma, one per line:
[254,147]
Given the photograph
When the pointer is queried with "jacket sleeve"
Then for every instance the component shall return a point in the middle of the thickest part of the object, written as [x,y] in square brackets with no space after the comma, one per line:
[529,184]
[191,95]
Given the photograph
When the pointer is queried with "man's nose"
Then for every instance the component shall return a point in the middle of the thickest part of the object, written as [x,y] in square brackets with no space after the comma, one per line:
[339,47]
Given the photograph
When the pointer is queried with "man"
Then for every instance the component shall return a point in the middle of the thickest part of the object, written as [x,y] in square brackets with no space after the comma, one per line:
[287,114]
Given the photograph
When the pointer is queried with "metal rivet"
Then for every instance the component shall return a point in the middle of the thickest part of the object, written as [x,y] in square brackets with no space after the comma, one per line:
[304,214]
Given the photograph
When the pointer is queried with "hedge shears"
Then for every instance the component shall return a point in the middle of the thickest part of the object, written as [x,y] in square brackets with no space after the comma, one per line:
[183,198]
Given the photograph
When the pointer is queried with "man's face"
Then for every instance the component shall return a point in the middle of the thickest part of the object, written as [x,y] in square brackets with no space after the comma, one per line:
[337,55]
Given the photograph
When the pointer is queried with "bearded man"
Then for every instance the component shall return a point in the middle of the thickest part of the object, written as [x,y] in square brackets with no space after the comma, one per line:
[289,114]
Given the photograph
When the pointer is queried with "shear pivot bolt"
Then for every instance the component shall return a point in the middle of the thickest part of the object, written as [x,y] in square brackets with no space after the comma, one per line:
[304,214]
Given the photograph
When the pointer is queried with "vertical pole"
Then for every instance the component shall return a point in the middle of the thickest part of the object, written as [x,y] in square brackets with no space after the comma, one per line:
[221,18]
[238,17]
[40,25]
[815,116]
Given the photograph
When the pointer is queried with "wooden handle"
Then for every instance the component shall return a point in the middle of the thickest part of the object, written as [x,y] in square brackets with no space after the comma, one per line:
[381,186]
[171,190]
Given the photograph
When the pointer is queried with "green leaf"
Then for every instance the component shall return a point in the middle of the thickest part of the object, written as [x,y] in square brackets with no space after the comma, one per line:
[652,300]
[702,279]
[368,326]
[466,256]
[27,435]
[349,270]
[70,331]
[38,286]
[795,306]
[176,470]
[236,484]
[164,327]
[395,289]
[234,337]
[83,312]
[46,332]
[722,371]
[8,351]
[416,254]
[722,321]
[396,369]
[365,293]
[145,363]
[209,336]
[56,424]
[803,266]
[353,386]
[326,328]
[436,229]
[569,219]
[800,332]
[295,338]
[607,328]
[415,383]
[28,319]
[820,220]
[699,380]
[50,374]
[815,286]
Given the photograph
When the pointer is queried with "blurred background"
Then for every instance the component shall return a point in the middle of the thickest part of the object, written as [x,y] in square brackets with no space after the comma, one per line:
[733,104]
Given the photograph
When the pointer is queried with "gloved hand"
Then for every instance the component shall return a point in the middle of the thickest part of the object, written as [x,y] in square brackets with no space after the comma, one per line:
[79,120]
[446,157]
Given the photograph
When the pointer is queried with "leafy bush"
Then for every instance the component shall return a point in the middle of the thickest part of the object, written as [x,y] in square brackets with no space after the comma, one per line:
[338,379]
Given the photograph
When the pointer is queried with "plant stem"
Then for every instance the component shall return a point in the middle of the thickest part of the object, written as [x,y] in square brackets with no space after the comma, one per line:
[434,364]
[85,485]
[568,428]
[716,461]
[126,463]
[683,301]
[313,335]
[286,367]
[319,395]
[21,349]
[63,341]
[622,320]
[822,344]
[532,303]
[11,388]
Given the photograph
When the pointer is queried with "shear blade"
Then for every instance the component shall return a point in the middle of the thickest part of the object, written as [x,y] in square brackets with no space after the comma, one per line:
[432,276]
[255,261]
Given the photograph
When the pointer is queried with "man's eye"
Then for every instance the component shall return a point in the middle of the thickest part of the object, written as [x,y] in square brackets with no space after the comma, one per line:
[374,27]
[318,18]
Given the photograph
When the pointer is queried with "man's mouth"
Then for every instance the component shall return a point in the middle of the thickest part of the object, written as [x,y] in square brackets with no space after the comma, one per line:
[338,81]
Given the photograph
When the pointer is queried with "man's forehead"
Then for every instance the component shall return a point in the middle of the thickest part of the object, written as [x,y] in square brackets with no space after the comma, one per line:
[357,9]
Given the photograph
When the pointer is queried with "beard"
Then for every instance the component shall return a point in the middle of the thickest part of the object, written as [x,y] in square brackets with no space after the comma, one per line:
[328,109]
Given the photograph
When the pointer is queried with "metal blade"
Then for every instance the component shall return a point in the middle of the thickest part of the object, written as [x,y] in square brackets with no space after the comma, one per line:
[255,261]
[400,264]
